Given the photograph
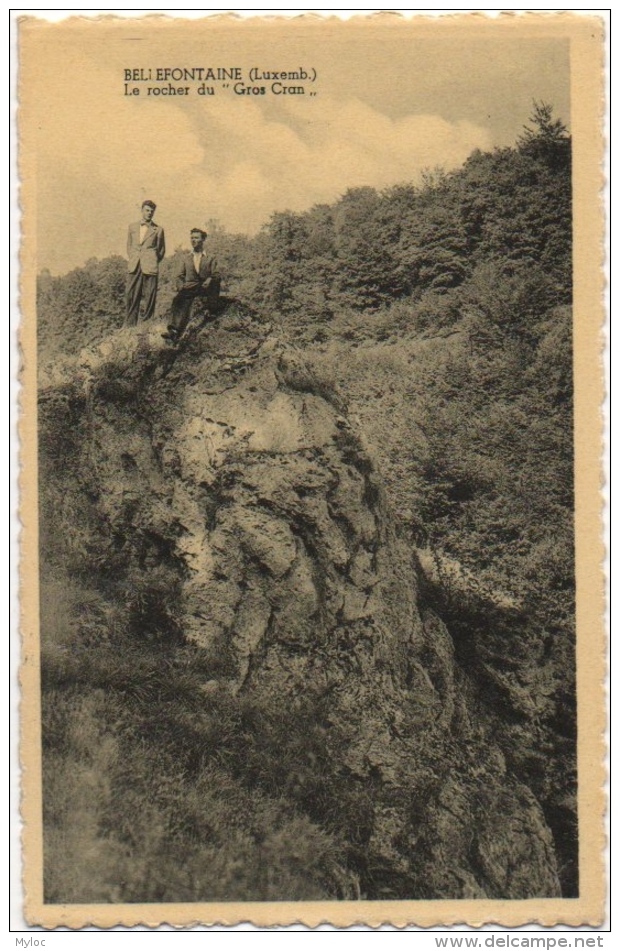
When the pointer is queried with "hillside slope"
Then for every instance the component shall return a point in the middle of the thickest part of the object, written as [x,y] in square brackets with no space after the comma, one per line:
[247,692]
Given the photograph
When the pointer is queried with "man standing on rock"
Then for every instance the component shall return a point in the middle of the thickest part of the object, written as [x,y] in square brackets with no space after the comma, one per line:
[146,247]
[196,277]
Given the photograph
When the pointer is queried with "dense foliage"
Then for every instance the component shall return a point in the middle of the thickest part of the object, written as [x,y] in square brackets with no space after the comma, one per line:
[442,314]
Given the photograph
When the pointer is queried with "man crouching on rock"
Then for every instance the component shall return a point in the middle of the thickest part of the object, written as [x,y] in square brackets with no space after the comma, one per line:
[196,277]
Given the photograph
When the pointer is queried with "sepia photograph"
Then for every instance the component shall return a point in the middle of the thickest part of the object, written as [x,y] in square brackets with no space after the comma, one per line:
[311,597]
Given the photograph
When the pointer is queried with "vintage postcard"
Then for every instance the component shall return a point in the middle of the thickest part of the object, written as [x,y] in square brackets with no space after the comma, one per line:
[311,585]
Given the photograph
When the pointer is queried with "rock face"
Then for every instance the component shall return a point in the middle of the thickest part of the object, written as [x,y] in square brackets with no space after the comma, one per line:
[233,478]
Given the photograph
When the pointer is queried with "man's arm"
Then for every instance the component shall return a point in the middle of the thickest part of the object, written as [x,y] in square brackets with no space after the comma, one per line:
[179,273]
[161,245]
[214,273]
[129,241]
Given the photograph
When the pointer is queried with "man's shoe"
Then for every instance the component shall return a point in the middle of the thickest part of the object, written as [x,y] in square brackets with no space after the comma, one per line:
[171,335]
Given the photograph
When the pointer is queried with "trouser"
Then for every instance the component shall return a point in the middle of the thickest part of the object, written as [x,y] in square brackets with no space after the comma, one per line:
[140,286]
[182,302]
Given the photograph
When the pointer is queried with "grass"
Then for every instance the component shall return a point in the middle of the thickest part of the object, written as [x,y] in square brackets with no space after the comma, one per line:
[157,791]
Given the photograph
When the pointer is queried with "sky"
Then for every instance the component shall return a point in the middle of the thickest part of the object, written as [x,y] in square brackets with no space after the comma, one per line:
[392,99]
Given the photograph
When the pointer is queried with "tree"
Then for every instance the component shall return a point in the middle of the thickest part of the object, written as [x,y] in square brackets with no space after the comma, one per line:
[546,138]
[546,128]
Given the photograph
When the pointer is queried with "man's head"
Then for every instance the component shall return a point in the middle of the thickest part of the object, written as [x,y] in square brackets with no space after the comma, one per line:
[148,210]
[197,237]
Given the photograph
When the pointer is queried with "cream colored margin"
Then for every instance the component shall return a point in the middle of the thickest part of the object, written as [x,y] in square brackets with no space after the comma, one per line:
[586,37]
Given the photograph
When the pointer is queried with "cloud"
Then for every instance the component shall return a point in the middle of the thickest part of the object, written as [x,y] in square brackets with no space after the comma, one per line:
[302,159]
[224,157]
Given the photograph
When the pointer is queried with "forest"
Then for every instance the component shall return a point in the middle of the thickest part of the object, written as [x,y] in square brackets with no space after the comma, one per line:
[438,316]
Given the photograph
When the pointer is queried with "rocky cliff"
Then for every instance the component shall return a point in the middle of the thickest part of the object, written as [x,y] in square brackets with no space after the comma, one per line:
[223,503]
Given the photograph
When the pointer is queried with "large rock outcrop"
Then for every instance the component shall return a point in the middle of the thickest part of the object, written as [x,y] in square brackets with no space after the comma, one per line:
[231,476]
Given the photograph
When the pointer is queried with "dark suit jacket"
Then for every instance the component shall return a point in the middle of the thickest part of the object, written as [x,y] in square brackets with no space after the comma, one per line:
[147,253]
[187,276]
